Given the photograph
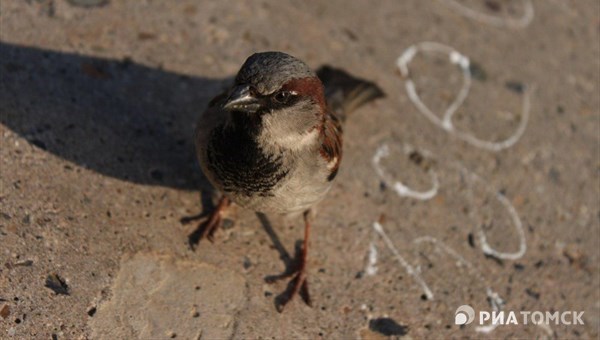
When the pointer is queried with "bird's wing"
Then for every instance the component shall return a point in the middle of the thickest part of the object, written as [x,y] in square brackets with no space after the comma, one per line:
[331,143]
[344,92]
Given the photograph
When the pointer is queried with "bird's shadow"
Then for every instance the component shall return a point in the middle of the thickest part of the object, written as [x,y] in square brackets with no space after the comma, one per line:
[116,117]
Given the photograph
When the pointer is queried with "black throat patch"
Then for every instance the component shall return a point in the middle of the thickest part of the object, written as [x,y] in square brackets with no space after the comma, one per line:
[240,165]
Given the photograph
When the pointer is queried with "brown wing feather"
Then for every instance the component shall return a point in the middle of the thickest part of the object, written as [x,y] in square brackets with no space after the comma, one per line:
[346,93]
[331,143]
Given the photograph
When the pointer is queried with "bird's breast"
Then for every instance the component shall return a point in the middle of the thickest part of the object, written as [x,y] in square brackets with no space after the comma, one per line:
[259,180]
[239,166]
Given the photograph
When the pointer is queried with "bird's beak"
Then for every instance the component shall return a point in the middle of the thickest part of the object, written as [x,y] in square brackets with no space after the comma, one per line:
[241,99]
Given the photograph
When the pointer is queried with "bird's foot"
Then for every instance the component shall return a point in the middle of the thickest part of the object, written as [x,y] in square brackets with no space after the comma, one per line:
[207,228]
[298,285]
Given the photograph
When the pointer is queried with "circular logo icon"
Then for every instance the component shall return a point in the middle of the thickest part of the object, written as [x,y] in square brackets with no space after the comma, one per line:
[464,315]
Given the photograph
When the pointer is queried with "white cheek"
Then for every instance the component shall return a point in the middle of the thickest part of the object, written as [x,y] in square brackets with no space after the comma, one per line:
[284,130]
[295,141]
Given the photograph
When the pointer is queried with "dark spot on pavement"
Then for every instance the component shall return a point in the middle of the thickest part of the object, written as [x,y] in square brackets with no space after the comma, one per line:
[515,86]
[477,72]
[532,293]
[387,327]
[92,311]
[471,240]
[495,259]
[416,157]
[88,3]
[246,263]
[57,284]
[493,6]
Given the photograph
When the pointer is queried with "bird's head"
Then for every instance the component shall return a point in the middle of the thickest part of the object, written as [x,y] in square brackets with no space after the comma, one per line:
[278,97]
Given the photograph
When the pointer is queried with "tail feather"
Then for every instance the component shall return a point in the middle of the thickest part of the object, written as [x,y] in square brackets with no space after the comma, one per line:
[346,93]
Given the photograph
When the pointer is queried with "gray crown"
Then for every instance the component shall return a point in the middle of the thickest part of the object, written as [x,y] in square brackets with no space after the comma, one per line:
[268,71]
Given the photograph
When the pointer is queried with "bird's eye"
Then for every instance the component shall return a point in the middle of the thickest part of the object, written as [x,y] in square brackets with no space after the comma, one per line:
[283,96]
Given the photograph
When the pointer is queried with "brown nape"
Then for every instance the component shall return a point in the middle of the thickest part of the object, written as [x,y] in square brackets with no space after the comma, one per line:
[308,87]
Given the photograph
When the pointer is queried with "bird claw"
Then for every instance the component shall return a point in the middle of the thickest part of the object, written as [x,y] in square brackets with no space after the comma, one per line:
[207,228]
[298,285]
[211,227]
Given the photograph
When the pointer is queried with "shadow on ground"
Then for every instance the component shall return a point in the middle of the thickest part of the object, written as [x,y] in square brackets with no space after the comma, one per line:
[116,117]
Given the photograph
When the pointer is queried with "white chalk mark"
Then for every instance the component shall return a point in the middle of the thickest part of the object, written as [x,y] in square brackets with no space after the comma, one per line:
[404,191]
[521,22]
[399,187]
[488,250]
[445,122]
[371,268]
[409,269]
[455,58]
[514,216]
[510,141]
[445,248]
[461,261]
[496,302]
[546,329]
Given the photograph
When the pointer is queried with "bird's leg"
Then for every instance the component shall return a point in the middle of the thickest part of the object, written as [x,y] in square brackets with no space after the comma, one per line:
[207,228]
[215,220]
[299,284]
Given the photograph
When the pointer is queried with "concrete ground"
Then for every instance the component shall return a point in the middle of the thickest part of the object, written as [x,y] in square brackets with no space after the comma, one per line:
[97,107]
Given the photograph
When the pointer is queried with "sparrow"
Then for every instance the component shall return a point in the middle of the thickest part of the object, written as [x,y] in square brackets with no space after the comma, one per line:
[272,143]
